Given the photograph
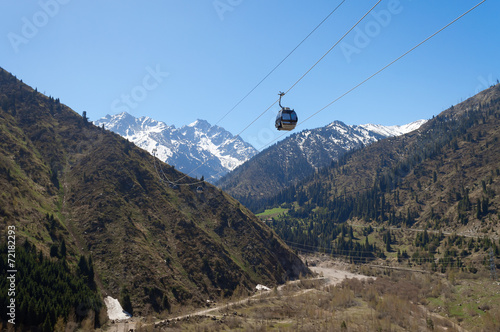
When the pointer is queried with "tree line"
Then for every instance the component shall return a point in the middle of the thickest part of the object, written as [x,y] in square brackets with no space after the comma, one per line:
[49,290]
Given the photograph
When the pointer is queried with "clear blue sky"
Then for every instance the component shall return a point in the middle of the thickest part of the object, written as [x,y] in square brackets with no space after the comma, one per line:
[177,61]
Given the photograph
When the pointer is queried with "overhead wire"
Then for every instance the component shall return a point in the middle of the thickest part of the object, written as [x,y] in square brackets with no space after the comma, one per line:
[326,249]
[258,84]
[164,177]
[311,68]
[380,70]
[296,82]
[279,64]
[344,94]
[161,169]
[334,45]
[348,254]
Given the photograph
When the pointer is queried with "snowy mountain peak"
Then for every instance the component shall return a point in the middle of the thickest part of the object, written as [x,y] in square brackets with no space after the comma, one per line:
[211,150]
[394,130]
[120,122]
[319,146]
[336,123]
[200,124]
[298,156]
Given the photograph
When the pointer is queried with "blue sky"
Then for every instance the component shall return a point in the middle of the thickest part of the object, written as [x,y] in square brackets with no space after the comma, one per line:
[177,61]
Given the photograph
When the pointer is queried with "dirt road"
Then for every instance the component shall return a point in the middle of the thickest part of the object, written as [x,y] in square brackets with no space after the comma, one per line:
[333,273]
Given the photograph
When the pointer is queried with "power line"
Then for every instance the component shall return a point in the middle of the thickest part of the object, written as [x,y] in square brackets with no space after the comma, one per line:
[311,68]
[380,70]
[347,92]
[349,255]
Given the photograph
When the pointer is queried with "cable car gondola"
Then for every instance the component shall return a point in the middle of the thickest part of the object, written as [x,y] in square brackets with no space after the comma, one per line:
[286,118]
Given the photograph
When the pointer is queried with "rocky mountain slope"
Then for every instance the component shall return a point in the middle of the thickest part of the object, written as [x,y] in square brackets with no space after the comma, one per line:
[296,157]
[206,150]
[444,176]
[66,181]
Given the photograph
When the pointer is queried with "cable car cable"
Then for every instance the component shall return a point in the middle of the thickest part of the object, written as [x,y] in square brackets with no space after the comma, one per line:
[279,64]
[260,82]
[165,178]
[294,84]
[161,169]
[311,68]
[331,48]
[380,70]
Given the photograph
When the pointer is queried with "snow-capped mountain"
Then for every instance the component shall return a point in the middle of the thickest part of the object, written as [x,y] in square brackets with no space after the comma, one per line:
[299,155]
[388,131]
[321,145]
[198,149]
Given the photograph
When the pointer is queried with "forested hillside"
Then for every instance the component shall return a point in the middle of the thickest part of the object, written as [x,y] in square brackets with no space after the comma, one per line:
[288,162]
[444,177]
[48,292]
[74,190]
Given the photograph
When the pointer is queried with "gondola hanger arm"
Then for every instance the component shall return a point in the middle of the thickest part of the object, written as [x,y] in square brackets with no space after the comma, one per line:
[281,94]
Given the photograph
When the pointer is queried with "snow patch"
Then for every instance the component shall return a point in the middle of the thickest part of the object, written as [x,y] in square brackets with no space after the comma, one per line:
[115,310]
[262,287]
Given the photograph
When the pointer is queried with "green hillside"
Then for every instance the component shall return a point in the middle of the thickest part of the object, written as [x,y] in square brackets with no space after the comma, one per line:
[444,178]
[66,181]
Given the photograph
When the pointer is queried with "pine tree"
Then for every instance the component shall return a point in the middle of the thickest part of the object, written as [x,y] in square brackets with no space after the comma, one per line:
[85,119]
[60,326]
[63,249]
[83,267]
[54,251]
[126,302]
[91,280]
[47,324]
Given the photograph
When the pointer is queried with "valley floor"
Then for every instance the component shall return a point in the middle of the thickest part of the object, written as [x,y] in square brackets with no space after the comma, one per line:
[340,299]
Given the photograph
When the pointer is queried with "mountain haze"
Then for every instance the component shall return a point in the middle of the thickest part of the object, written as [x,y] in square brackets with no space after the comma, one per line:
[66,181]
[299,155]
[199,147]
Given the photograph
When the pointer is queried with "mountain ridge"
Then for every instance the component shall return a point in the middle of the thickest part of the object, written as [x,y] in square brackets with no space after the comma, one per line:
[198,148]
[66,181]
[444,176]
[394,130]
[299,155]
